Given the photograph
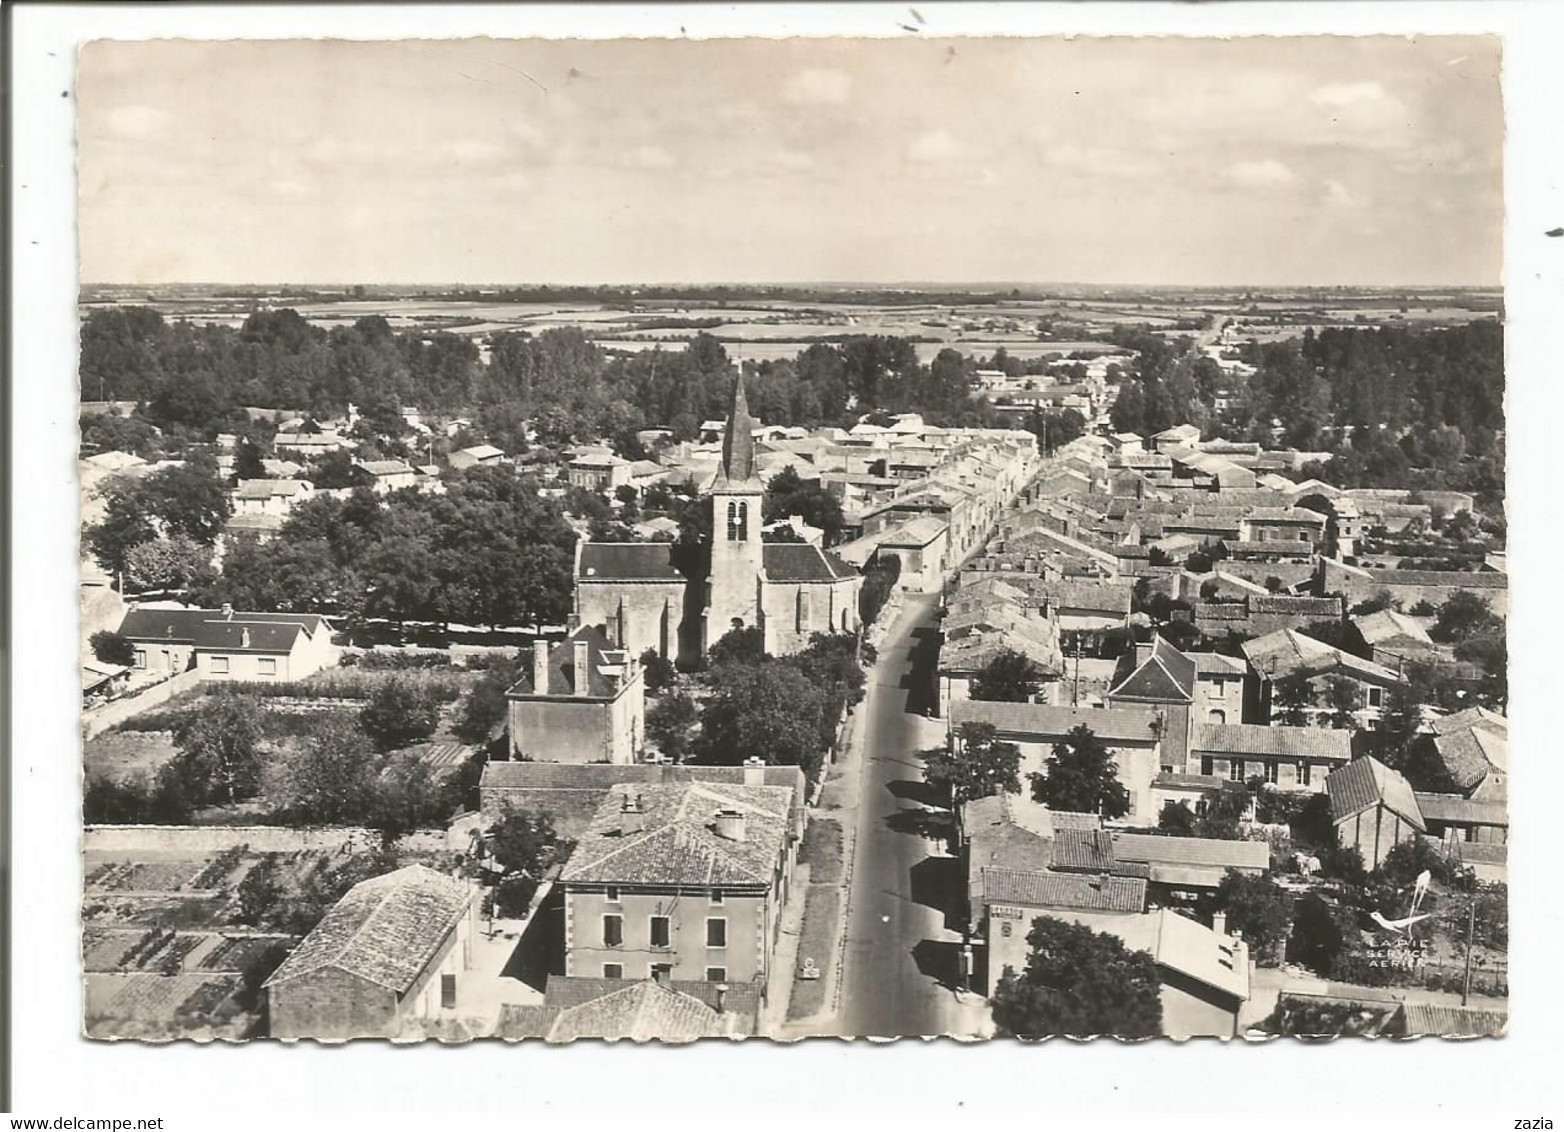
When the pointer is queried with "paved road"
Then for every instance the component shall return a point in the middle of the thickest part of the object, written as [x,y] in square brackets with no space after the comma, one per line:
[901,959]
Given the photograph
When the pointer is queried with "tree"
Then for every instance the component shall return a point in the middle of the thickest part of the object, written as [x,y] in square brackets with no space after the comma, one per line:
[1222,812]
[409,796]
[330,778]
[1344,698]
[1079,983]
[744,645]
[1294,694]
[486,707]
[978,765]
[670,723]
[771,711]
[1464,615]
[660,672]
[111,648]
[1082,776]
[1010,677]
[219,750]
[524,846]
[399,712]
[1256,908]
[168,563]
[1177,819]
[247,461]
[1317,939]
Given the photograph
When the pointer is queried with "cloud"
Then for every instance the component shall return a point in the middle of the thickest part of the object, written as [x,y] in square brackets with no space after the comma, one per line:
[818,86]
[1338,195]
[1266,174]
[136,121]
[652,157]
[1347,94]
[934,148]
[1099,161]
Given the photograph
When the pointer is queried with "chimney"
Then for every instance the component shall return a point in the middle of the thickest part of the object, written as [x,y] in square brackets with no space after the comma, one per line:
[540,667]
[228,612]
[1219,923]
[730,825]
[631,818]
[755,771]
[582,672]
[722,997]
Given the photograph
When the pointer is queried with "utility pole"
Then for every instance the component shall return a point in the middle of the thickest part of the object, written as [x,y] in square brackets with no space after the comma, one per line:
[1471,926]
[1075,695]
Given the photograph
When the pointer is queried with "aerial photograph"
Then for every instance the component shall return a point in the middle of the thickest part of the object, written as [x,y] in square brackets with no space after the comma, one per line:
[678,539]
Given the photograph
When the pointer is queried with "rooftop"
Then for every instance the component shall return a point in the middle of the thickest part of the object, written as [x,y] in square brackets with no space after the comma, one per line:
[1264,741]
[1048,722]
[1368,782]
[1038,888]
[628,562]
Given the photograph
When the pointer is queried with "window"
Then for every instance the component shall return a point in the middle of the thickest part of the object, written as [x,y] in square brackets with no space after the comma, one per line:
[448,992]
[1235,770]
[220,665]
[662,971]
[613,970]
[716,974]
[612,895]
[716,933]
[1207,765]
[659,931]
[1271,771]
[1219,689]
[141,658]
[1216,715]
[1303,774]
[716,896]
[613,930]
[267,665]
[738,521]
[1004,929]
[1376,697]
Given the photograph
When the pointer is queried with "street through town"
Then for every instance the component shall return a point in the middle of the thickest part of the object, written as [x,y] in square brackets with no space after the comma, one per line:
[902,956]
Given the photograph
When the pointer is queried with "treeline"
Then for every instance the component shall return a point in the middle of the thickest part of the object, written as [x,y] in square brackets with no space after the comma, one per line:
[194,381]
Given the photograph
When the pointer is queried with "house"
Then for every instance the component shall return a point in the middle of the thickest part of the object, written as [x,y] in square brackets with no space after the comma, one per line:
[1373,809]
[1179,869]
[1452,818]
[684,881]
[1253,614]
[101,681]
[1282,525]
[1002,831]
[386,961]
[922,547]
[1393,639]
[582,701]
[485,455]
[307,445]
[257,525]
[1287,653]
[1086,611]
[1175,437]
[1470,752]
[225,645]
[281,469]
[1181,689]
[1130,734]
[270,497]
[598,471]
[1287,758]
[389,475]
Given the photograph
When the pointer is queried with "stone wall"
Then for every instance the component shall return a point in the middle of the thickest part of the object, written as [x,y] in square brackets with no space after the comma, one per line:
[100,719]
[195,840]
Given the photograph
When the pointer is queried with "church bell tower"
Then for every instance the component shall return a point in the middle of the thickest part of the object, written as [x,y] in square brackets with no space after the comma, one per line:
[733,593]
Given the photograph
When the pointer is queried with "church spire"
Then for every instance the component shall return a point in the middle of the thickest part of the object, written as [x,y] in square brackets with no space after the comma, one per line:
[738,442]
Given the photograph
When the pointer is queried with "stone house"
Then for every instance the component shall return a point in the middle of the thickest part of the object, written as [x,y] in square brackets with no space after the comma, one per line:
[225,645]
[580,702]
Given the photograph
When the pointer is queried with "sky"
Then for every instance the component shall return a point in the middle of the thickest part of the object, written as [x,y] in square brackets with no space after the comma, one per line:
[1201,162]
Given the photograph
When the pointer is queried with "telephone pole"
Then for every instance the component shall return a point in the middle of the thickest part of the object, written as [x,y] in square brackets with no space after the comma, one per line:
[1471,926]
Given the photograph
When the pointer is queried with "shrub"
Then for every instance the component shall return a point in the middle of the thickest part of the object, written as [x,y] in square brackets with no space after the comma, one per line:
[878,583]
[111,648]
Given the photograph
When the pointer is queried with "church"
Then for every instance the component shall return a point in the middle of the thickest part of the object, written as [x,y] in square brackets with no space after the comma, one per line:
[647,595]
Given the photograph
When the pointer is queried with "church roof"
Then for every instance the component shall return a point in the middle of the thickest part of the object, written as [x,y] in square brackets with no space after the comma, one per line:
[628,562]
[738,445]
[802,562]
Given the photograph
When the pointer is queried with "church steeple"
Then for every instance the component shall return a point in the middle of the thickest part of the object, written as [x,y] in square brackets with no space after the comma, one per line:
[738,442]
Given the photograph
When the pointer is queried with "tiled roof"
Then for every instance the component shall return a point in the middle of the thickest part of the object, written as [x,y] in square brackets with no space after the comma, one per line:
[1465,580]
[1262,741]
[440,755]
[1388,625]
[1203,852]
[1452,809]
[1436,1019]
[1192,949]
[919,532]
[1083,850]
[1286,515]
[628,561]
[387,467]
[1470,756]
[801,562]
[267,489]
[1164,674]
[1293,606]
[1217,664]
[1050,723]
[385,930]
[1287,650]
[562,667]
[253,521]
[1469,718]
[211,629]
[1106,599]
[673,841]
[1367,782]
[1037,888]
[641,1012]
[1292,548]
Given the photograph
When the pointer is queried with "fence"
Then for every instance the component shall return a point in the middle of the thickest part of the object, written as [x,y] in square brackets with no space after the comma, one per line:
[97,720]
[199,840]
